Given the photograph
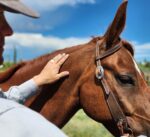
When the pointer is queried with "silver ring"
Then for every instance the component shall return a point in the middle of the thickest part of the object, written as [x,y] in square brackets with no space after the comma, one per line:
[52,61]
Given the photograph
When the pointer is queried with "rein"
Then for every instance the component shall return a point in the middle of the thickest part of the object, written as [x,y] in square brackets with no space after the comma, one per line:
[113,105]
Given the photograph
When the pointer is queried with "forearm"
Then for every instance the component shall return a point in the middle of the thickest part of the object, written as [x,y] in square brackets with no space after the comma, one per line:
[48,75]
[38,80]
[22,92]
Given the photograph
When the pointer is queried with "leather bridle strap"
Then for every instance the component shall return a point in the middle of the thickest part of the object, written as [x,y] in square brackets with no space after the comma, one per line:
[113,105]
[108,52]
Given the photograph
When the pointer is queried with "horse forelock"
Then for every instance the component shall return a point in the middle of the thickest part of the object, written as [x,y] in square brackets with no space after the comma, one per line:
[128,46]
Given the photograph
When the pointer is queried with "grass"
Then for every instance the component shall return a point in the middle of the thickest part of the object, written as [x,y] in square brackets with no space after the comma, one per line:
[83,126]
[5,66]
[144,68]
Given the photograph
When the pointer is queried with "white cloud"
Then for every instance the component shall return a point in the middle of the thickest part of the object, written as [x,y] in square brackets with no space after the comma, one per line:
[49,19]
[44,5]
[142,50]
[145,46]
[39,41]
[139,48]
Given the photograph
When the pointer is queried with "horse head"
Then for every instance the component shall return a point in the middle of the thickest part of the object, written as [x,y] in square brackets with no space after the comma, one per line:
[108,86]
[123,78]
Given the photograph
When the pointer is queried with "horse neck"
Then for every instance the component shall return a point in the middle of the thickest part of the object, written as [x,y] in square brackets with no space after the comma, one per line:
[60,101]
[63,101]
[27,69]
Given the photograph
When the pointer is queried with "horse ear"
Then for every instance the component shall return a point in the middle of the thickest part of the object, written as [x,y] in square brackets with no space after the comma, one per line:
[117,26]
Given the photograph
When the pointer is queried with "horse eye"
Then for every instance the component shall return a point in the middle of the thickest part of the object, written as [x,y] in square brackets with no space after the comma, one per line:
[126,79]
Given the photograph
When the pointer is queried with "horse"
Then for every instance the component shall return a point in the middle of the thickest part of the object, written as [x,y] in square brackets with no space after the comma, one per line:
[104,66]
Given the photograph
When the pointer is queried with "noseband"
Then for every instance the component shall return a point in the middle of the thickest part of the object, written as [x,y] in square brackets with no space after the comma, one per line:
[113,105]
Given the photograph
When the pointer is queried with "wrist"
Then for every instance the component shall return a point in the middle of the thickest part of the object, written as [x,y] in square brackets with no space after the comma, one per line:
[38,81]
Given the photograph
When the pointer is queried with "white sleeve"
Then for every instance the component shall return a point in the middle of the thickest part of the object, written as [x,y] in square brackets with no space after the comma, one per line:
[22,92]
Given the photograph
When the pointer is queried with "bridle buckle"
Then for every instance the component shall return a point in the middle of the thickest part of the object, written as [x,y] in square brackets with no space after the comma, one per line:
[99,72]
[124,128]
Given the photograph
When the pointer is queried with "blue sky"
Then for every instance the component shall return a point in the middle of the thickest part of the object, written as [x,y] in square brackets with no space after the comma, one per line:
[65,23]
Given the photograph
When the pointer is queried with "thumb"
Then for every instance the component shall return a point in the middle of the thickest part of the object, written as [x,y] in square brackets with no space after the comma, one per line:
[63,74]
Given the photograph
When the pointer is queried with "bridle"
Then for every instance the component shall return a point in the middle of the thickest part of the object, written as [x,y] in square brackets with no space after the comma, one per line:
[113,105]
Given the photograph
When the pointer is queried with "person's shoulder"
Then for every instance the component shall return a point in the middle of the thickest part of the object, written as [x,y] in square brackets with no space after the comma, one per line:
[7,105]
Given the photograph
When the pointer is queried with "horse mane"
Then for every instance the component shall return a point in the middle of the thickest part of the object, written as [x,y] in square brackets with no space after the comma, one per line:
[68,50]
[21,67]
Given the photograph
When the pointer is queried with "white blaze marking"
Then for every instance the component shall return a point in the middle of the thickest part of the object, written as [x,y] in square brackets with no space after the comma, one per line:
[137,68]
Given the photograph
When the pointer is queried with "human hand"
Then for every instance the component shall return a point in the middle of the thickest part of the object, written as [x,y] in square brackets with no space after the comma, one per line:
[125,135]
[50,72]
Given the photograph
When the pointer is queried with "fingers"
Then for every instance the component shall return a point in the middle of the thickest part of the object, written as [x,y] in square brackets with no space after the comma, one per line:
[63,74]
[58,61]
[63,59]
[60,58]
[125,135]
[57,58]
